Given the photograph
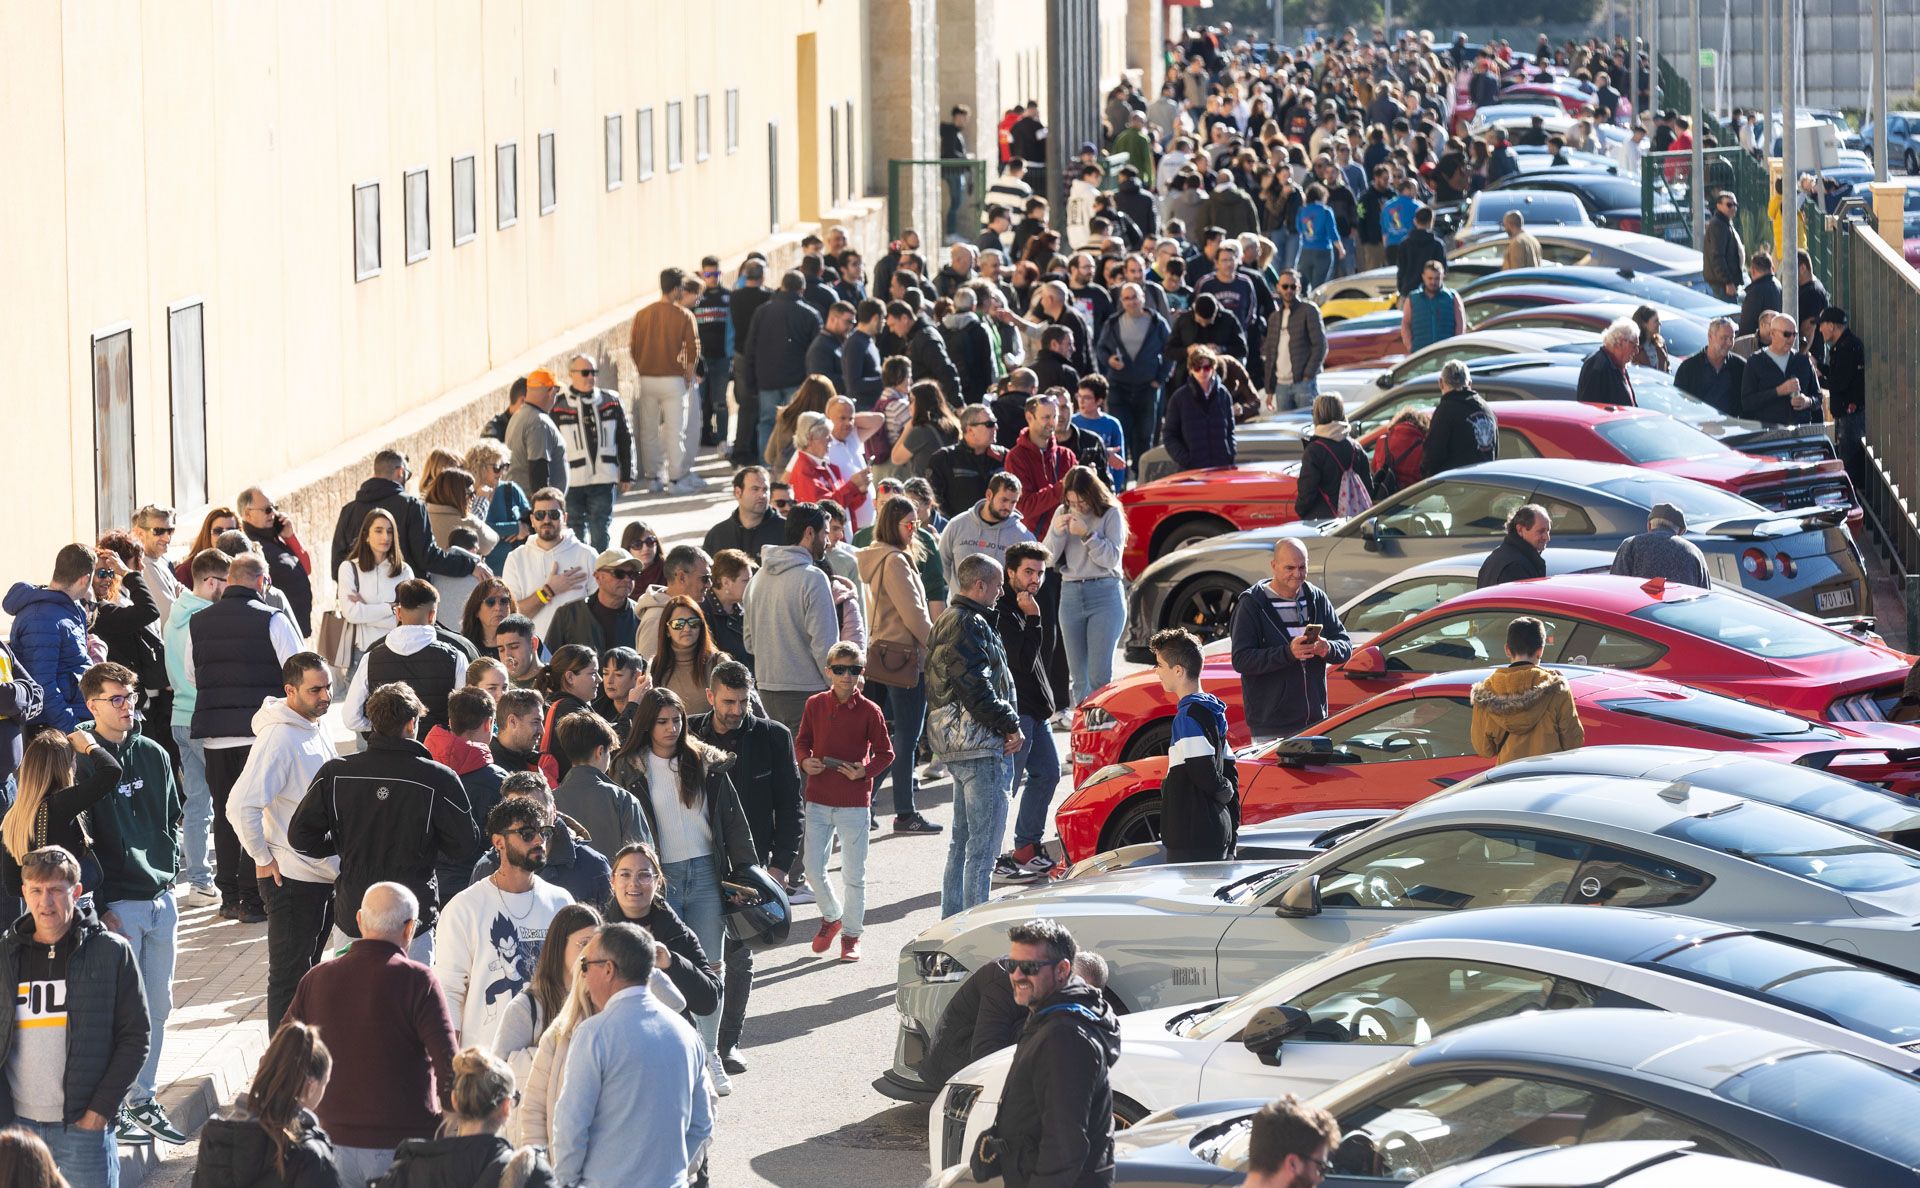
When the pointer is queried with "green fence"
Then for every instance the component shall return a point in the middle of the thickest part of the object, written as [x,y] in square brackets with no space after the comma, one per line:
[1666,200]
[931,178]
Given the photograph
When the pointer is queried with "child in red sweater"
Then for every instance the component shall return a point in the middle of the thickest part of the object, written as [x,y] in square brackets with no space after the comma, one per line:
[842,744]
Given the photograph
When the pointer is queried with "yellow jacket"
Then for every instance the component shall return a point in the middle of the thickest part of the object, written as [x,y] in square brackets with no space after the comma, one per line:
[1524,709]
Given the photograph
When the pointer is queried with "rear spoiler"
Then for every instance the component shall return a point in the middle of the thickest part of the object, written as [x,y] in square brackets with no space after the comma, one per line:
[1823,760]
[1768,526]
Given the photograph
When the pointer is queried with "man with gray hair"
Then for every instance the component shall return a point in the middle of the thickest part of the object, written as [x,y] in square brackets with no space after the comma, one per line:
[1663,551]
[382,1016]
[1779,386]
[973,726]
[1462,430]
[688,572]
[1603,377]
[599,441]
[1714,375]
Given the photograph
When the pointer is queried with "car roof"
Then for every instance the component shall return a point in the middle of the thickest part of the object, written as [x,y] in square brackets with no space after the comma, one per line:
[1571,412]
[1572,471]
[1620,934]
[1524,338]
[1687,1049]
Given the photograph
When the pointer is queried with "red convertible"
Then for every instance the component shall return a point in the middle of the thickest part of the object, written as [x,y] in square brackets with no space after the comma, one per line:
[1720,641]
[1180,509]
[1411,741]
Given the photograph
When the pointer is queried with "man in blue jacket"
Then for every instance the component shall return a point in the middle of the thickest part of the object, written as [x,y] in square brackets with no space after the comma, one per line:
[50,635]
[1285,633]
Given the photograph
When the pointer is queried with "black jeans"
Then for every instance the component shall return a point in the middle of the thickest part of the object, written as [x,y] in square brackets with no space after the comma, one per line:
[733,1004]
[232,868]
[299,920]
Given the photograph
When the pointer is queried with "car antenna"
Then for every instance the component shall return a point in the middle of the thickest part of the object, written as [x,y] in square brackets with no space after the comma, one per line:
[1655,587]
[1676,792]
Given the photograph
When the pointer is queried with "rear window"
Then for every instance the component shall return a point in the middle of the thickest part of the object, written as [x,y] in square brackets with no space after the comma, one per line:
[1805,847]
[1859,1103]
[1747,624]
[1722,715]
[1859,999]
[1539,206]
[1701,503]
[1658,439]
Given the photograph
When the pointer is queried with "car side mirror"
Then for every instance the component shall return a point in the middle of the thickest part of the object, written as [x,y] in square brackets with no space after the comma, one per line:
[1370,534]
[1270,1028]
[1368,661]
[1380,381]
[1301,898]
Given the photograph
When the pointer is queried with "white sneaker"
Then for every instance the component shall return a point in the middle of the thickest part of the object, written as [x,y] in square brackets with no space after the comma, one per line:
[689,483]
[197,897]
[722,1083]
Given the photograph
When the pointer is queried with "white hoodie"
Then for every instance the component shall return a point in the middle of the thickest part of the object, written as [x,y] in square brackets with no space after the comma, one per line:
[406,639]
[288,750]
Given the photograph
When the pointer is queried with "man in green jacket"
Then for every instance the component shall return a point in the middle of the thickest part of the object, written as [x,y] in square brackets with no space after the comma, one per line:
[135,840]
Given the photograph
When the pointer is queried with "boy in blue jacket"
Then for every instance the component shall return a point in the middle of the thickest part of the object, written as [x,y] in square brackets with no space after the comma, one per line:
[1200,796]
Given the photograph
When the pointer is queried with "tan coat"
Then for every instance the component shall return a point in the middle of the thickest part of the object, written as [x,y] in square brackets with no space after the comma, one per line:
[896,598]
[1524,709]
[1522,251]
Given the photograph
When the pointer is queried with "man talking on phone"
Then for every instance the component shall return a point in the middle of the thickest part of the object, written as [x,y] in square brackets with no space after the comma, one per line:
[1285,633]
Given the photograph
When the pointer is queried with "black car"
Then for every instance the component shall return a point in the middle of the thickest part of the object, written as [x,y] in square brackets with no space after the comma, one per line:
[1611,201]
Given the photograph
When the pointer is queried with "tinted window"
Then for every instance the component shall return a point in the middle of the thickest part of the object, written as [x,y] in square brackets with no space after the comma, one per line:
[1455,869]
[1747,624]
[1856,1102]
[1657,439]
[1721,715]
[1699,501]
[1807,847]
[1539,206]
[1385,609]
[1618,878]
[1452,508]
[1473,640]
[1410,1002]
[1514,445]
[1568,520]
[1610,648]
[1417,728]
[1818,984]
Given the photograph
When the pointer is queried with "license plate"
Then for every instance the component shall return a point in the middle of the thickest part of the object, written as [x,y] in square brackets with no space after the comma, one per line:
[1678,233]
[1827,600]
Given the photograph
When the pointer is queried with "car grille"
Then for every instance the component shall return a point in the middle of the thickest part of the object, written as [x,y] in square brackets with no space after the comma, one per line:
[953,1124]
[1828,490]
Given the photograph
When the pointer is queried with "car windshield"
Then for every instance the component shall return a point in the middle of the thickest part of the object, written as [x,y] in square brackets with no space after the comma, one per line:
[1848,1098]
[1806,847]
[1539,206]
[1859,999]
[1722,715]
[1683,336]
[1701,504]
[1654,391]
[1658,439]
[1747,624]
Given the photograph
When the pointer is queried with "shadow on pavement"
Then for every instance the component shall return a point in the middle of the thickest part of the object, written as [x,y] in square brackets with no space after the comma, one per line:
[814,1016]
[853,1154]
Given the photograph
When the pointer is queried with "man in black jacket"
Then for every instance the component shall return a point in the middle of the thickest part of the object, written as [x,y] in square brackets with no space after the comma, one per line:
[1842,358]
[1056,1110]
[1420,245]
[983,1017]
[1029,624]
[267,527]
[387,490]
[412,654]
[959,473]
[773,356]
[1720,258]
[1779,386]
[768,785]
[391,814]
[753,524]
[742,305]
[1281,658]
[79,1033]
[1463,430]
[1763,293]
[1204,324]
[924,347]
[1603,377]
[1522,554]
[1715,374]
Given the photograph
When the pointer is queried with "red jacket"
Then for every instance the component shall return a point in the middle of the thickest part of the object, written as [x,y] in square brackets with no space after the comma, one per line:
[1406,441]
[451,750]
[815,479]
[1039,474]
[855,731]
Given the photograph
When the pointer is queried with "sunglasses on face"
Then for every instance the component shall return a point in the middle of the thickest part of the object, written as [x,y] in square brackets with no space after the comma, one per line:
[103,574]
[587,963]
[683,623]
[586,371]
[847,669]
[499,600]
[541,516]
[528,834]
[167,531]
[978,424]
[1201,368]
[649,542]
[1288,288]
[1028,968]
[624,574]
[783,504]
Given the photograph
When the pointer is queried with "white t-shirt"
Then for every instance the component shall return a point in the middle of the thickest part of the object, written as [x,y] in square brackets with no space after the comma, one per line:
[530,565]
[486,944]
[683,833]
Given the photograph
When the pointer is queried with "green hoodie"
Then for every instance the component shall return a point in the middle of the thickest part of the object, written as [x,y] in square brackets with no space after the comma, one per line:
[133,834]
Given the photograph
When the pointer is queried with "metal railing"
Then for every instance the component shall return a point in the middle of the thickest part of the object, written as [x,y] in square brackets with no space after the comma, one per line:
[926,181]
[1666,181]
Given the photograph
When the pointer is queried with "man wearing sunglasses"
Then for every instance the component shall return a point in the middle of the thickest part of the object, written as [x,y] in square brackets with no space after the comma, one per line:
[553,568]
[599,442]
[155,527]
[1295,348]
[608,617]
[959,473]
[1779,386]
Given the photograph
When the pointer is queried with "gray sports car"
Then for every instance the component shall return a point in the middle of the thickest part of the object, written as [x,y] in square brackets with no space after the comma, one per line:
[1805,559]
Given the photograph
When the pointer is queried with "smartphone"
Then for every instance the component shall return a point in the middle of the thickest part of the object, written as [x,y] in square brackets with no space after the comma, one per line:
[1312,633]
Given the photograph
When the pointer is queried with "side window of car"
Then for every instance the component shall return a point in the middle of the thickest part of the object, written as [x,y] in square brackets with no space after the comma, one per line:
[1434,362]
[1458,1119]
[1453,869]
[1385,609]
[1452,509]
[1464,641]
[1513,444]
[1416,728]
[1384,412]
[1565,253]
[1614,877]
[1610,647]
[1411,1002]
[1615,1119]
[1568,519]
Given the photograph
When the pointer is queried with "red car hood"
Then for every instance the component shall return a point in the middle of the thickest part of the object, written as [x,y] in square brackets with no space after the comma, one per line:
[1255,480]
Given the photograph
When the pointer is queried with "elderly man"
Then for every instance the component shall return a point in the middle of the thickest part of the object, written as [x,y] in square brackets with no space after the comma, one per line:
[1663,551]
[1133,357]
[604,1131]
[1779,386]
[1432,312]
[1463,430]
[1716,374]
[1603,377]
[1522,554]
[1522,250]
[1295,347]
[1285,633]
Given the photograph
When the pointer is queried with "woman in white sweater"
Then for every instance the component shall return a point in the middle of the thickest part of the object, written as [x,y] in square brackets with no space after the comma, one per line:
[369,580]
[1087,536]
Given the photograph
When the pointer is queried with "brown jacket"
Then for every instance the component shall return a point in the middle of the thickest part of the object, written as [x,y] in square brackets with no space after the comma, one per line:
[898,601]
[665,340]
[1524,709]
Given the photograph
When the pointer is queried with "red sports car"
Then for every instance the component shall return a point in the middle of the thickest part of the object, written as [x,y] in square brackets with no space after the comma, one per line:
[1408,742]
[1721,641]
[1177,510]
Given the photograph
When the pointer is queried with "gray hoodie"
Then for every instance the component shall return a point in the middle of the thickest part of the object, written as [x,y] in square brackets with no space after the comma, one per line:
[969,533]
[790,621]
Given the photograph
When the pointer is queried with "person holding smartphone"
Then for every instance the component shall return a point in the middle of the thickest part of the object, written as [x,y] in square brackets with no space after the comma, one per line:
[842,744]
[1285,633]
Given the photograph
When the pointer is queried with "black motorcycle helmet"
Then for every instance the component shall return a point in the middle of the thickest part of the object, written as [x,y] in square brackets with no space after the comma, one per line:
[758,914]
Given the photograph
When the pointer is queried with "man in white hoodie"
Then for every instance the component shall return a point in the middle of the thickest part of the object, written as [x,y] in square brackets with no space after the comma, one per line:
[413,654]
[290,745]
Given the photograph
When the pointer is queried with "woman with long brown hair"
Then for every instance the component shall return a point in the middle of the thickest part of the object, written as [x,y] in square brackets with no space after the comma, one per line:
[369,580]
[218,520]
[899,626]
[269,1137]
[490,602]
[644,543]
[814,393]
[930,425]
[1086,536]
[684,652]
[26,1161]
[534,1009]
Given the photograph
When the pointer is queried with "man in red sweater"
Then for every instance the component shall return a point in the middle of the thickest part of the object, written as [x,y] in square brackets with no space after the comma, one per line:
[1039,461]
[842,744]
[386,1023]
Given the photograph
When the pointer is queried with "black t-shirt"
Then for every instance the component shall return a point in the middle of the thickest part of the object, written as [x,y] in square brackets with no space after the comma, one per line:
[608,619]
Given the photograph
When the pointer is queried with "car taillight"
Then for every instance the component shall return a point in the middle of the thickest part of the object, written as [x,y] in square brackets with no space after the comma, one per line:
[1754,564]
[1861,759]
[1627,223]
[1787,568]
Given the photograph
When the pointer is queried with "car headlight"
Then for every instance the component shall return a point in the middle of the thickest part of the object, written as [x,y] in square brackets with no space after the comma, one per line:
[1092,717]
[953,1123]
[935,966]
[1111,771]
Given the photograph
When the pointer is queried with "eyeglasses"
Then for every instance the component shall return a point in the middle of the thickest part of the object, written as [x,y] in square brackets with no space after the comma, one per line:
[102,574]
[505,600]
[117,701]
[625,573]
[532,833]
[684,622]
[1322,1163]
[649,542]
[167,531]
[847,669]
[586,371]
[587,963]
[538,516]
[1288,288]
[989,423]
[1029,968]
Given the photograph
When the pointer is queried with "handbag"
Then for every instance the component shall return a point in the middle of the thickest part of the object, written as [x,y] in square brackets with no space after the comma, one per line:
[334,639]
[896,665]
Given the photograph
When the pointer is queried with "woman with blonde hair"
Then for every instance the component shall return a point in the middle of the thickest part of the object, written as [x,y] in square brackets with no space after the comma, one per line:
[438,460]
[369,580]
[534,1009]
[49,805]
[456,520]
[506,505]
[269,1138]
[471,1147]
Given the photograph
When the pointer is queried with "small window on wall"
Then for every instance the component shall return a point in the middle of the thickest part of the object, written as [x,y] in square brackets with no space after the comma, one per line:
[616,153]
[702,127]
[733,120]
[506,184]
[113,428]
[466,201]
[419,219]
[643,143]
[366,231]
[187,394]
[833,156]
[673,136]
[549,189]
[853,174]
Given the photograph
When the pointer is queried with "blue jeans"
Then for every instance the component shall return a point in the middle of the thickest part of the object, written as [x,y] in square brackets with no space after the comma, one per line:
[1300,395]
[590,512]
[981,789]
[693,892]
[772,400]
[87,1158]
[152,928]
[1137,408]
[1092,614]
[197,834]
[1346,264]
[1316,267]
[959,183]
[1039,761]
[907,710]
[713,399]
[822,822]
[1286,248]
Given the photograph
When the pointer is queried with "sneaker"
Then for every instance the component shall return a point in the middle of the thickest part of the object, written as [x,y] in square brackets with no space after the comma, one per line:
[799,894]
[730,1060]
[824,938]
[873,823]
[1027,862]
[251,913]
[658,487]
[229,911]
[1062,721]
[849,948]
[689,484]
[933,771]
[1037,866]
[128,1133]
[198,896]
[914,823]
[151,1117]
[722,1084]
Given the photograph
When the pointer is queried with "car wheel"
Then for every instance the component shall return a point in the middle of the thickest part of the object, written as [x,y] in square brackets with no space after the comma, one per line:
[1188,531]
[1138,823]
[1148,742]
[1127,1112]
[1204,606]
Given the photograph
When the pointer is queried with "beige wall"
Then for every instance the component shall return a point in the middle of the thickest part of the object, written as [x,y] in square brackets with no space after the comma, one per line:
[194,149]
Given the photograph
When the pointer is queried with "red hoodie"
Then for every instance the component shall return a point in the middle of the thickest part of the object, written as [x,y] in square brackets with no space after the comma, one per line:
[462,756]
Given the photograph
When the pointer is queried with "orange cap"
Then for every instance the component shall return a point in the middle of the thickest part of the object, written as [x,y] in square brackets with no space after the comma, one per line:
[540,377]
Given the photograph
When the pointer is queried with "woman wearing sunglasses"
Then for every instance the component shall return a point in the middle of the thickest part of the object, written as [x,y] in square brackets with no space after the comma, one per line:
[219,519]
[500,500]
[684,653]
[644,543]
[455,521]
[489,603]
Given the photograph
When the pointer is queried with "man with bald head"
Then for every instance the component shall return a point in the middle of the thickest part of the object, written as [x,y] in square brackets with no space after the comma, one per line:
[382,1016]
[1285,632]
[599,440]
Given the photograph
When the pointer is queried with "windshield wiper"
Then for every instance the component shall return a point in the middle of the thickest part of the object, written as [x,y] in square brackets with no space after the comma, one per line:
[1226,890]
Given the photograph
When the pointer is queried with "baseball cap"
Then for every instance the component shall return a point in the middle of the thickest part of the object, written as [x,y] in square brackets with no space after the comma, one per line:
[1833,315]
[1089,147]
[612,559]
[541,377]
